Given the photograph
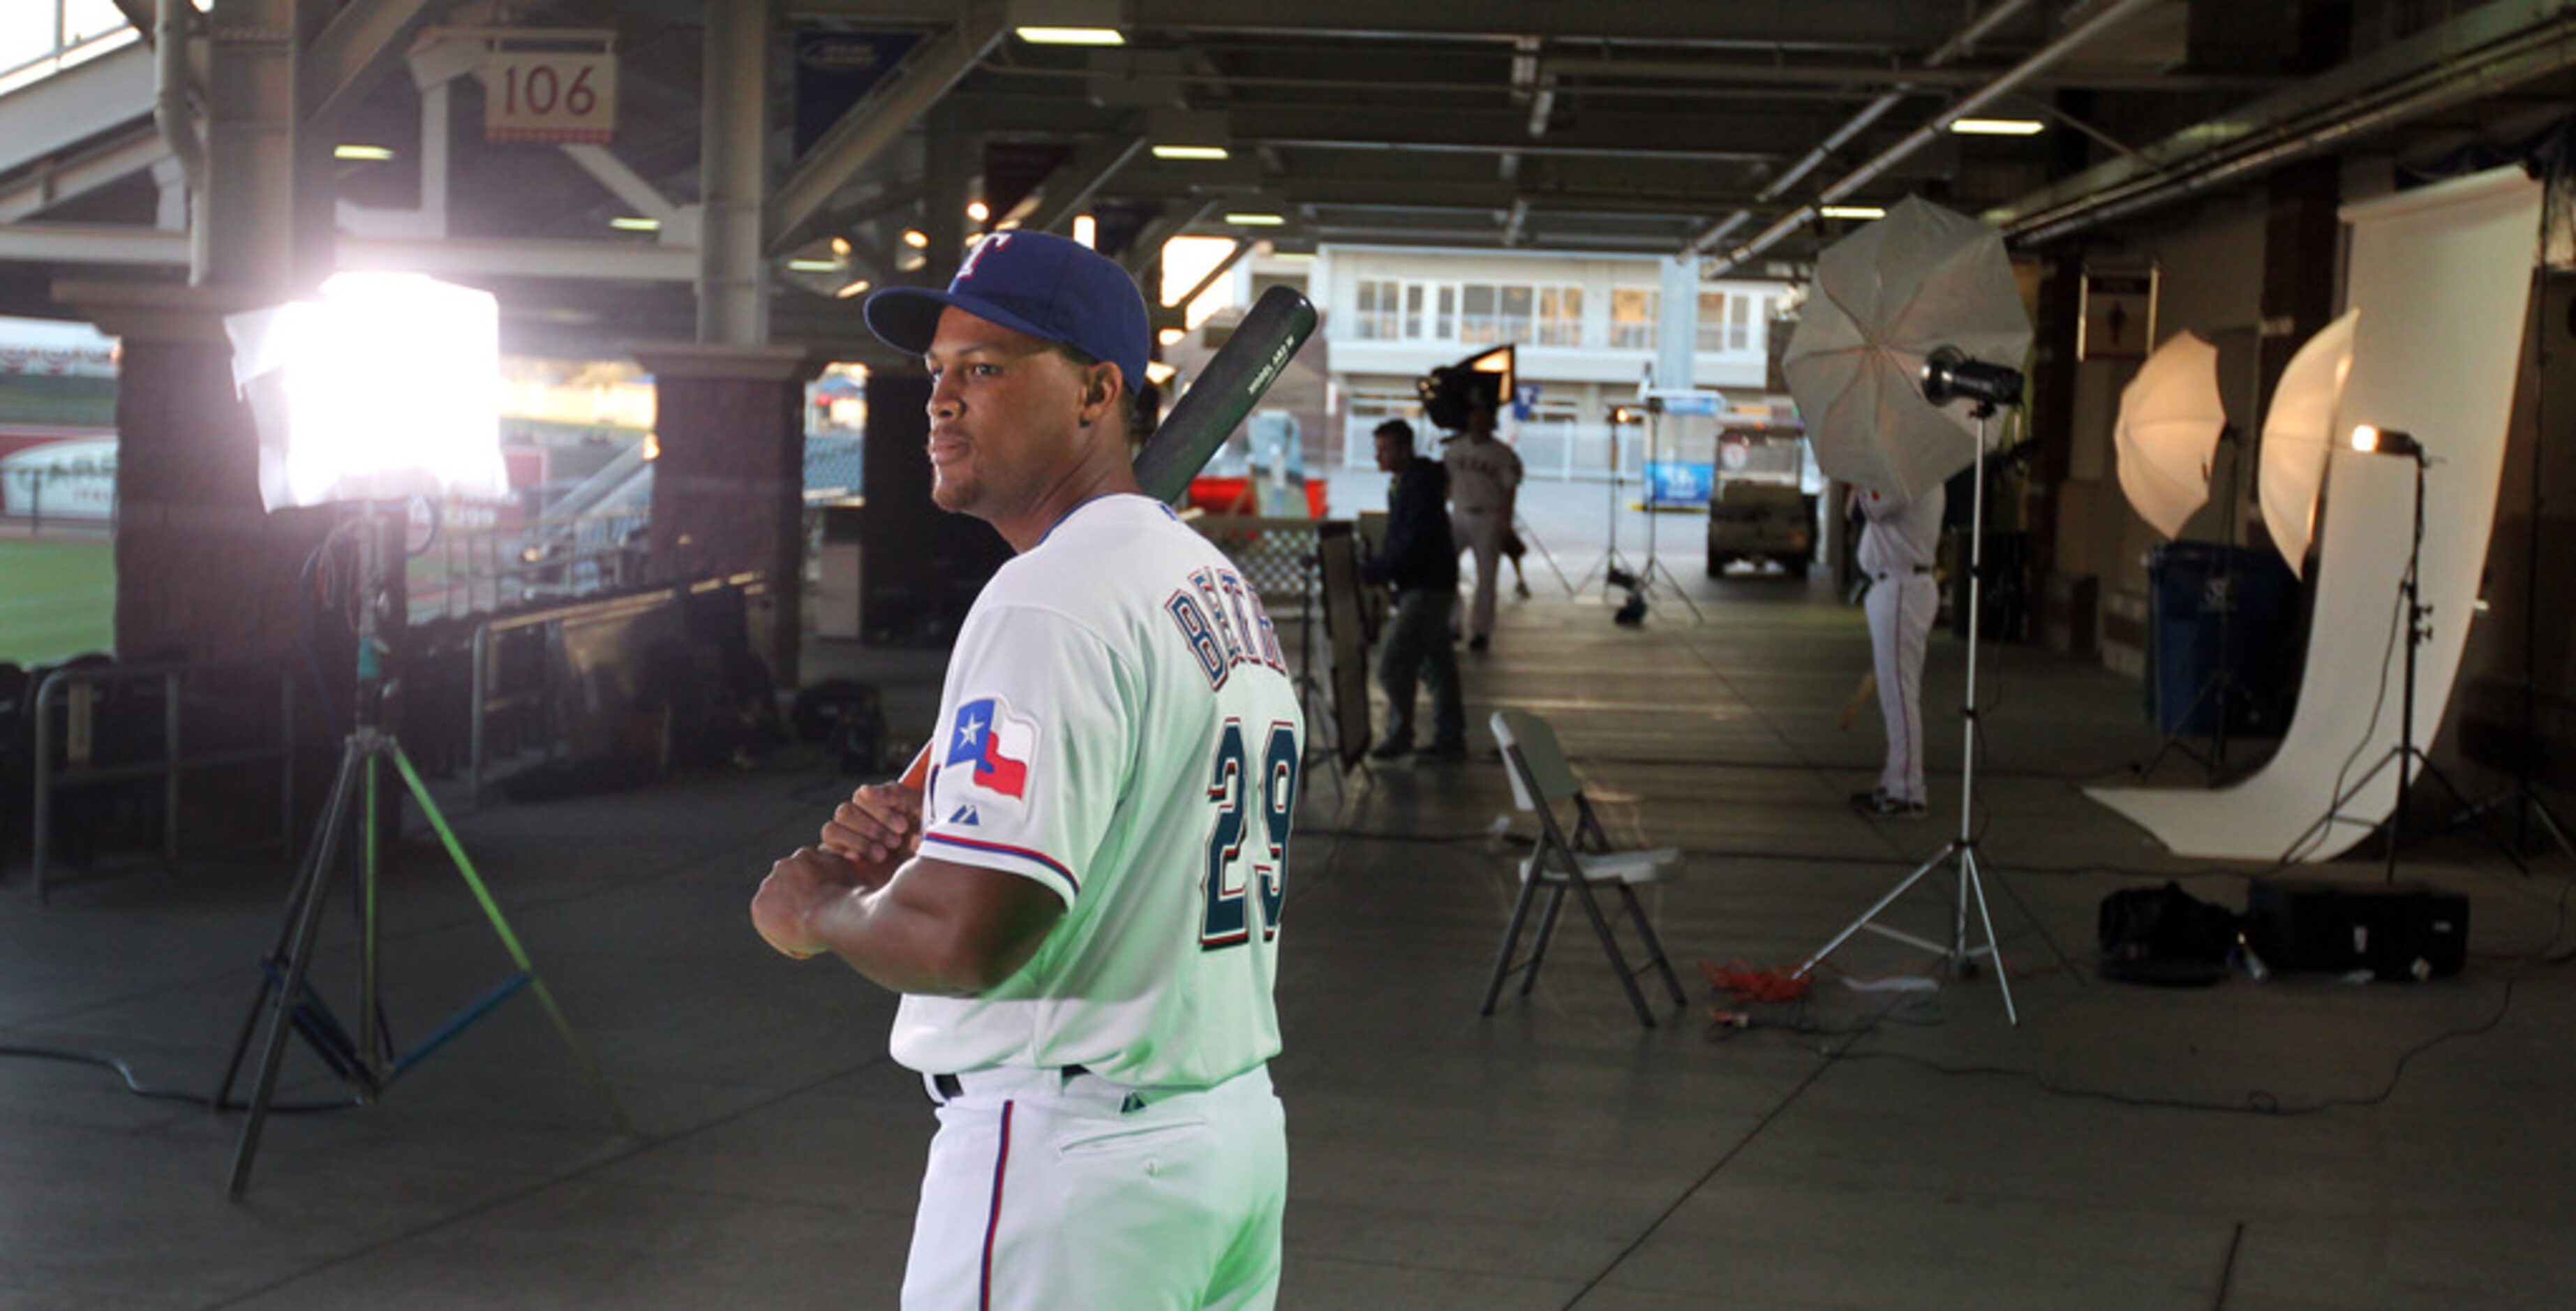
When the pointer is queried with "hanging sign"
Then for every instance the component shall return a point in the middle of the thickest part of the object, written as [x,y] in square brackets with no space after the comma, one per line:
[2119,313]
[565,96]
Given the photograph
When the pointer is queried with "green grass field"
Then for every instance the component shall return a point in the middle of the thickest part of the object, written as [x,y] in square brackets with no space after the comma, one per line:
[57,599]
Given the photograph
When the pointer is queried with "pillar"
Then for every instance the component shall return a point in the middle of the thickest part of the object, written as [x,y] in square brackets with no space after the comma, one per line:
[729,484]
[201,568]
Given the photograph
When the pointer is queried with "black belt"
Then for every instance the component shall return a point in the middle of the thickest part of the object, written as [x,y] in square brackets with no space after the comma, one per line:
[950,1087]
[1920,569]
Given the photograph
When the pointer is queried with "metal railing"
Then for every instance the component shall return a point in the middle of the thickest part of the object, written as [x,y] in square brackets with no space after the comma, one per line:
[488,697]
[470,571]
[77,692]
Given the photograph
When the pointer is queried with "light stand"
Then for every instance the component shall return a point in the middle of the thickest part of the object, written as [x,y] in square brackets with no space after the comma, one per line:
[1613,568]
[370,1064]
[1961,852]
[1654,565]
[2412,761]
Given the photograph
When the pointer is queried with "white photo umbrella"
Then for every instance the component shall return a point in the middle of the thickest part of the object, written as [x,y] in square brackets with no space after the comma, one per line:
[2299,431]
[2170,418]
[1884,298]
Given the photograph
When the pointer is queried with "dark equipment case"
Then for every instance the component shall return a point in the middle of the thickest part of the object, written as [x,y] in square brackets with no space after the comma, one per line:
[2397,931]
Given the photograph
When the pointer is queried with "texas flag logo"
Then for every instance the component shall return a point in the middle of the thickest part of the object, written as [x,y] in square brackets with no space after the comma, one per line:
[995,744]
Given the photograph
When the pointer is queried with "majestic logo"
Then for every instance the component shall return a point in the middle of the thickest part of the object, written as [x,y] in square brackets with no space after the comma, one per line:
[966,816]
[986,737]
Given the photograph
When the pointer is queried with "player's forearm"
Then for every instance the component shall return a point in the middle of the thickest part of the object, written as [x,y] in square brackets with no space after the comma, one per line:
[898,946]
[937,929]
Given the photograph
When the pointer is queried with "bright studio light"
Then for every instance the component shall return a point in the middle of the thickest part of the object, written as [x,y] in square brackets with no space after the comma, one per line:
[387,386]
[2385,441]
[1853,212]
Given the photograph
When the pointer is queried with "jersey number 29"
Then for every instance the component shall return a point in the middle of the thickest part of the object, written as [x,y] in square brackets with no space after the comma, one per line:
[1238,805]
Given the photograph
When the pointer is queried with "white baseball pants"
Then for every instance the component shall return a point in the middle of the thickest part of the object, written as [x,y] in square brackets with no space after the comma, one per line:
[1901,608]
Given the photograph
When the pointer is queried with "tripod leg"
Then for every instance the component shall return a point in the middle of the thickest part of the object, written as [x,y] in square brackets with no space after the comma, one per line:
[1975,883]
[2473,814]
[509,940]
[299,955]
[1809,965]
[308,883]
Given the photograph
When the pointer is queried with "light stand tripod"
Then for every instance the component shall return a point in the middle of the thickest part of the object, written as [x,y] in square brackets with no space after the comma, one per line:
[1654,565]
[1613,568]
[369,1063]
[1962,850]
[2406,755]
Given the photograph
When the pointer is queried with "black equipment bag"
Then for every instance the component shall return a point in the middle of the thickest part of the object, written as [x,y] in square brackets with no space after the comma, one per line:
[2165,936]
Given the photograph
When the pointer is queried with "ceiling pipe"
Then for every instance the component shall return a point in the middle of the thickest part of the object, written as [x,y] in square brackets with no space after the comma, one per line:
[172,83]
[2103,20]
[2535,54]
[1964,42]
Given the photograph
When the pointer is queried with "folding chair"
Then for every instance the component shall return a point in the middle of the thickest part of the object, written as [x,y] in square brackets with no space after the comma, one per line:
[1540,779]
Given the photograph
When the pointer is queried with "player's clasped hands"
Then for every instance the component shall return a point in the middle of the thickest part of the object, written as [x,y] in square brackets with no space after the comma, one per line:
[880,822]
[867,837]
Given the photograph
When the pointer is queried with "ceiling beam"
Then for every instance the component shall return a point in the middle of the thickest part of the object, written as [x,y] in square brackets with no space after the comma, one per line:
[879,120]
[362,43]
[1743,26]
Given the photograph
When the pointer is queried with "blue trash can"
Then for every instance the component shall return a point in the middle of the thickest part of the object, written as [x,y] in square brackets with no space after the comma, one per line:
[2214,609]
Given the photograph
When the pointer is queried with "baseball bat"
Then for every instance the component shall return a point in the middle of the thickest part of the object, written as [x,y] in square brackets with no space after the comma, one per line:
[1233,381]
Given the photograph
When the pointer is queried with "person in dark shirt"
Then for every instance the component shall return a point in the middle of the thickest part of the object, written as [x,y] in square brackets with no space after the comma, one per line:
[1420,561]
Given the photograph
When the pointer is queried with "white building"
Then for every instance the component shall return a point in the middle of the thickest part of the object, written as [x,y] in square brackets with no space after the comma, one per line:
[1585,327]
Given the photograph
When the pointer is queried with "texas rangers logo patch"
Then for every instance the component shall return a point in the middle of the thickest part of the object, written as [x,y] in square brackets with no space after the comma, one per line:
[998,746]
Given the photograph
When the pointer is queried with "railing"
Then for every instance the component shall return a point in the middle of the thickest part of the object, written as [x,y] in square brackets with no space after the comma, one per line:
[470,571]
[491,694]
[77,692]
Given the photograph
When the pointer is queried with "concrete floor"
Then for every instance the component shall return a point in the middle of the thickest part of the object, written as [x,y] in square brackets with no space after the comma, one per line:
[2301,1143]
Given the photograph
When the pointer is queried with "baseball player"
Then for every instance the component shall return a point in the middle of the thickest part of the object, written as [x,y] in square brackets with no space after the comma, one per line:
[1081,907]
[1484,482]
[1898,546]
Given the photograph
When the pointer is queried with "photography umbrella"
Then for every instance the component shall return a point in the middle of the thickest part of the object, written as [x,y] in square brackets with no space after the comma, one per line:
[2170,419]
[1884,298]
[2299,431]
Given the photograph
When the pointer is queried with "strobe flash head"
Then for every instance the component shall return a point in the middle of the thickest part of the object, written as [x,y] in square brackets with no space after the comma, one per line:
[1948,375]
[2373,440]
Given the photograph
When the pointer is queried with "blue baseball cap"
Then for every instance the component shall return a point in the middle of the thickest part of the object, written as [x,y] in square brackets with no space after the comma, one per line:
[1047,286]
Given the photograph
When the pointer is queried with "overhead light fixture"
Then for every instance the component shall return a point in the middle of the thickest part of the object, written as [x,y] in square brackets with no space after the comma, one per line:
[1070,36]
[1158,373]
[813,265]
[978,210]
[840,245]
[371,154]
[851,288]
[635,223]
[1255,219]
[1997,127]
[1086,230]
[1171,336]
[1190,152]
[916,238]
[1852,212]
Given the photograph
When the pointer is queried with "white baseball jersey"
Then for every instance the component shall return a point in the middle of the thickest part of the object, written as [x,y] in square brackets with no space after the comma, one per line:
[1119,727]
[1482,475]
[1902,535]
